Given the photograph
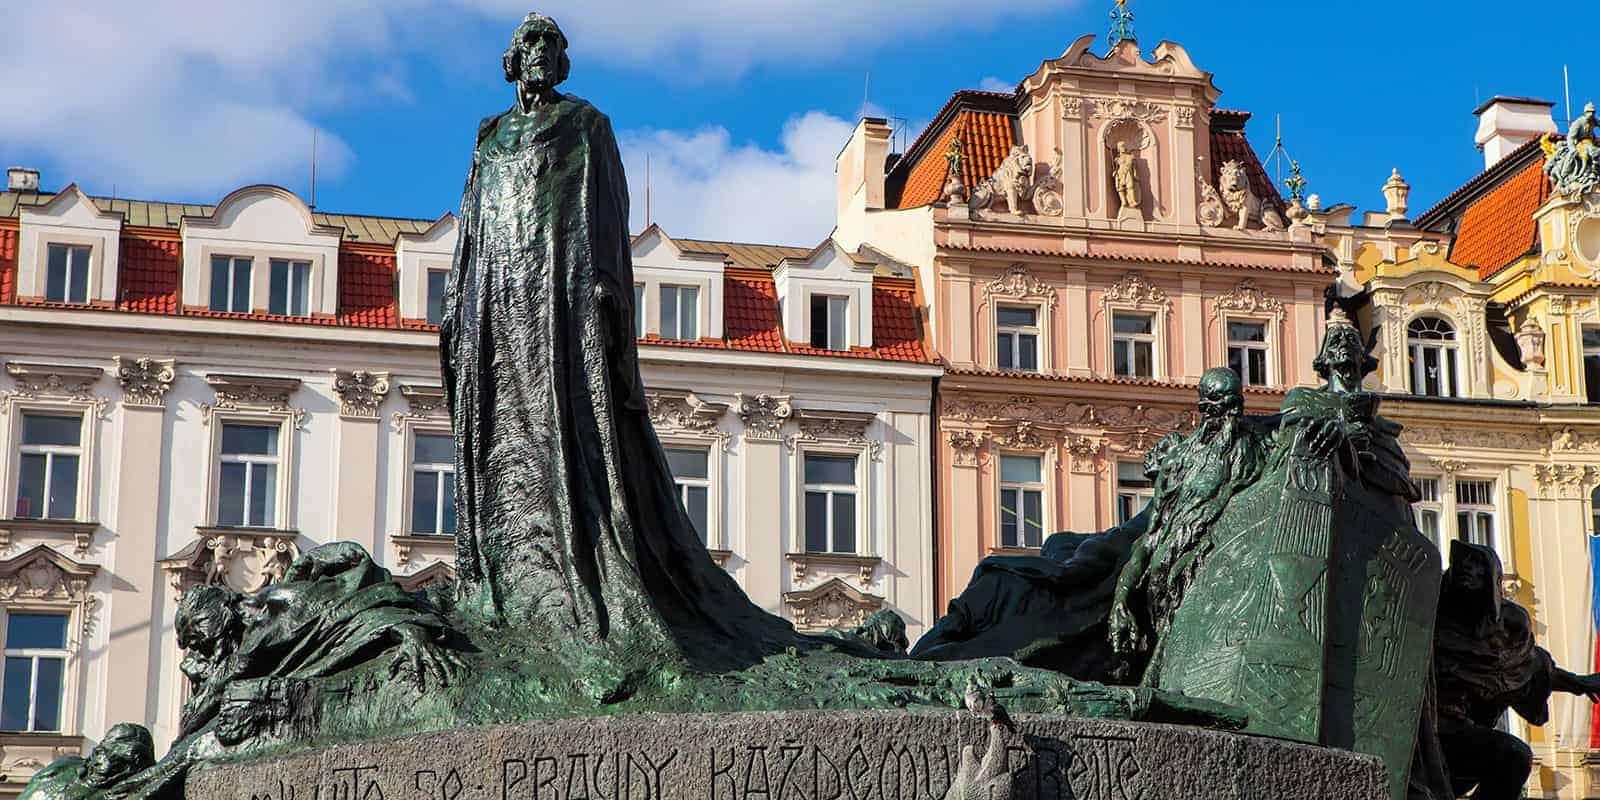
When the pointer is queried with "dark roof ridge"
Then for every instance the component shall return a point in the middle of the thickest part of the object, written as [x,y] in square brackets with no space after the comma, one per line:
[974,99]
[1511,164]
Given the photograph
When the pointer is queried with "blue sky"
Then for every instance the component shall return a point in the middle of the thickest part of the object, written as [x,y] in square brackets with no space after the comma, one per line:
[741,106]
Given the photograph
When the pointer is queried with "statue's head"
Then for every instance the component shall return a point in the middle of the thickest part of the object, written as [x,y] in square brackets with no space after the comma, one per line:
[208,619]
[537,58]
[1221,393]
[1588,109]
[1473,578]
[126,750]
[1343,352]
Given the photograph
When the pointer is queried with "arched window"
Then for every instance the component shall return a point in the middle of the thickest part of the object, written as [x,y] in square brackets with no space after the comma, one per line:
[1433,357]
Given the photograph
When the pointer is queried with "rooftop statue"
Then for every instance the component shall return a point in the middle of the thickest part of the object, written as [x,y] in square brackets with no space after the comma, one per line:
[1573,163]
[1486,663]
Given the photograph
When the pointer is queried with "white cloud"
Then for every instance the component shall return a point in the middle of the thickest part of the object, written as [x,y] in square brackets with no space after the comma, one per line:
[704,185]
[192,98]
[993,84]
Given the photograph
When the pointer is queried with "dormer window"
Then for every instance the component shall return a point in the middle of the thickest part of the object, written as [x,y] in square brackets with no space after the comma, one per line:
[830,316]
[67,274]
[289,290]
[1017,338]
[230,284]
[436,282]
[680,313]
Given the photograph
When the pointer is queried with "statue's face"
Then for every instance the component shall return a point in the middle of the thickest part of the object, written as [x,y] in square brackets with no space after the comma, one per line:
[1221,393]
[540,54]
[120,754]
[1343,351]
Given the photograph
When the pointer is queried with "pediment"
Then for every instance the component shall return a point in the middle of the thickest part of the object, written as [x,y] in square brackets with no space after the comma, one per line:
[47,558]
[1168,61]
[73,209]
[439,572]
[654,248]
[266,213]
[438,239]
[828,260]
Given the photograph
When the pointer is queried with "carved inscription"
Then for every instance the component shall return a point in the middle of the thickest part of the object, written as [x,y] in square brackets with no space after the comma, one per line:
[1084,768]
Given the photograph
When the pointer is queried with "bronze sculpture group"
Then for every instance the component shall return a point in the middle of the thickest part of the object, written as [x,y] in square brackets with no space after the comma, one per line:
[1276,580]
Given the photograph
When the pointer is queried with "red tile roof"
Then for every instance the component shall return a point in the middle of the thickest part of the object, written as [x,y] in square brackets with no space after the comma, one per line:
[750,321]
[986,139]
[367,288]
[8,265]
[1498,228]
[149,275]
[1445,212]
[750,311]
[1228,143]
[896,322]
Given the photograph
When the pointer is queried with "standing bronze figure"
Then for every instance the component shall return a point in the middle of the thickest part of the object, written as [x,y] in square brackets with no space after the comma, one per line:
[569,528]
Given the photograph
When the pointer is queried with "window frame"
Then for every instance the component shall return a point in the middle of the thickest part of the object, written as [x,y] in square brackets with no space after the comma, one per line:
[1490,508]
[1591,389]
[831,302]
[1037,331]
[1435,506]
[1267,346]
[67,283]
[427,293]
[67,653]
[709,482]
[1156,339]
[50,452]
[1142,496]
[441,469]
[1449,351]
[90,412]
[1046,498]
[291,268]
[286,474]
[831,489]
[677,303]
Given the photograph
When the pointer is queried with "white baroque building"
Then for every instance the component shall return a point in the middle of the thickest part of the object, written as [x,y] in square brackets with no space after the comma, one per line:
[196,394]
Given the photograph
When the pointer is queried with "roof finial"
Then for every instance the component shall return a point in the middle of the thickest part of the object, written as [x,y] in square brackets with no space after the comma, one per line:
[1121,24]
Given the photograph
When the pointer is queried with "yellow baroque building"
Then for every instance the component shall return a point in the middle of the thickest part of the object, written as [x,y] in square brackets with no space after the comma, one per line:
[1486,318]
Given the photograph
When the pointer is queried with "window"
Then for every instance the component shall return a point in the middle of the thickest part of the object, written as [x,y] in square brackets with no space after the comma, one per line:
[433,484]
[1017,338]
[49,456]
[1594,512]
[1475,512]
[1433,357]
[830,513]
[436,283]
[1133,345]
[691,472]
[33,685]
[230,284]
[1591,363]
[1134,490]
[66,278]
[1021,501]
[638,309]
[680,313]
[247,493]
[829,319]
[1247,351]
[289,290]
[1429,511]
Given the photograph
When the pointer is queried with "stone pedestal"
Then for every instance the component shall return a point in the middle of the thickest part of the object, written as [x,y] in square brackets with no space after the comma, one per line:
[882,755]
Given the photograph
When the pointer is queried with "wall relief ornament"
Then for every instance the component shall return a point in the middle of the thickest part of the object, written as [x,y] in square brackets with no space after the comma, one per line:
[966,446]
[763,415]
[1020,284]
[42,575]
[1462,437]
[1246,298]
[1084,452]
[1048,187]
[422,403]
[439,573]
[1566,480]
[1071,108]
[1211,211]
[834,604]
[686,412]
[842,427]
[145,381]
[241,560]
[360,392]
[248,393]
[1134,289]
[1568,440]
[1183,117]
[1024,436]
[54,382]
[1122,108]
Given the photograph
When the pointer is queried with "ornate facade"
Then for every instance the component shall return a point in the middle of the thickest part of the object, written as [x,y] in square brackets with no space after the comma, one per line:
[1089,245]
[223,388]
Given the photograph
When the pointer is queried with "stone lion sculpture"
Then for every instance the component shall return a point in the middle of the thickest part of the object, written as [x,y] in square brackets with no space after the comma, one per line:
[1013,180]
[1236,192]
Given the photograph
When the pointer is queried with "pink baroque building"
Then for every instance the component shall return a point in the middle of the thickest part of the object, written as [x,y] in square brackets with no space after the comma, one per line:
[1087,246]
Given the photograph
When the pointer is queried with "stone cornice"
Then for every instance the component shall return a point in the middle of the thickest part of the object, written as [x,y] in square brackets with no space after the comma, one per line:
[251,393]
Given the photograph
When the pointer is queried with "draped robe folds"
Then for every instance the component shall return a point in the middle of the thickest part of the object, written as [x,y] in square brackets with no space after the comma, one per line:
[569,525]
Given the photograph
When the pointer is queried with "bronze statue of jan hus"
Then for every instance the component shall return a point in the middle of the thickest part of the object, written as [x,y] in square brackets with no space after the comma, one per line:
[1198,474]
[1485,663]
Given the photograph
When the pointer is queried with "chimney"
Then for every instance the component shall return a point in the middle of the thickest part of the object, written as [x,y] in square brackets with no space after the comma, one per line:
[22,179]
[1395,192]
[1506,123]
[861,167]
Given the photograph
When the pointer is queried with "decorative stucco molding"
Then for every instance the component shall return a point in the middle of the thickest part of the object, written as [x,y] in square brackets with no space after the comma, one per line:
[42,575]
[1566,480]
[966,445]
[361,393]
[1020,284]
[687,412]
[844,427]
[80,534]
[1122,108]
[407,546]
[53,382]
[1025,436]
[834,604]
[763,415]
[804,563]
[217,558]
[1133,289]
[437,573]
[422,402]
[145,381]
[1084,452]
[1183,117]
[1246,298]
[248,393]
[1485,439]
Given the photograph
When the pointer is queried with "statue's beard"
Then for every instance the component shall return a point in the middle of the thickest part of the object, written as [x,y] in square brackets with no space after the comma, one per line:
[1212,427]
[101,779]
